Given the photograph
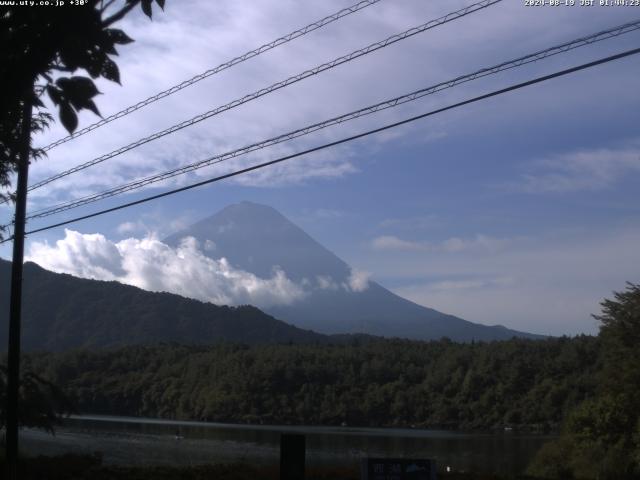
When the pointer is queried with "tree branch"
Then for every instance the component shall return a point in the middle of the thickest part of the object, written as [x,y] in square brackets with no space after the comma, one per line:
[119,15]
[103,7]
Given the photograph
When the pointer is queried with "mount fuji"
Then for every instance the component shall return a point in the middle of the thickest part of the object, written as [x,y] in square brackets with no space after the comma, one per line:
[258,239]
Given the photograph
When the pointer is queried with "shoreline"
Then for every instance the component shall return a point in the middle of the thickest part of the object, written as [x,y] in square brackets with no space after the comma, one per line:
[130,442]
[406,430]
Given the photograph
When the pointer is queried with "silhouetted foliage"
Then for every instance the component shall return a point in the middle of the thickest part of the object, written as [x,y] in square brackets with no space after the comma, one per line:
[522,383]
[41,49]
[41,403]
[601,437]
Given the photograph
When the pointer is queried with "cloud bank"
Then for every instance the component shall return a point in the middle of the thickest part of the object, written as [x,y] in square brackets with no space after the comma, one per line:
[152,265]
[450,245]
[581,170]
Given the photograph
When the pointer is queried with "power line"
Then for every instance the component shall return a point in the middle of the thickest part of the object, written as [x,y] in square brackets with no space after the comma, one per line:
[539,55]
[343,140]
[276,86]
[235,61]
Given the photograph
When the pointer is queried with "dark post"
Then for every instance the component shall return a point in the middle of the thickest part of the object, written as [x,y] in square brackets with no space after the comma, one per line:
[292,453]
[13,376]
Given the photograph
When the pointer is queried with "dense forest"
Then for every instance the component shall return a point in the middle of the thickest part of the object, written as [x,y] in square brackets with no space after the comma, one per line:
[382,383]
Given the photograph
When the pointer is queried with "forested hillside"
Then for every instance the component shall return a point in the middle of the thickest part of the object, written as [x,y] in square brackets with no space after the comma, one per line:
[384,383]
[62,312]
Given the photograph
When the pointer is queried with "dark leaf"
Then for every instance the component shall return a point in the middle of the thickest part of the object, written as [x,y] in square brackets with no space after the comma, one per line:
[146,7]
[93,68]
[38,153]
[118,36]
[40,121]
[91,60]
[68,117]
[63,82]
[110,71]
[71,57]
[160,3]
[54,94]
[90,105]
[37,102]
[78,91]
[78,87]
[110,49]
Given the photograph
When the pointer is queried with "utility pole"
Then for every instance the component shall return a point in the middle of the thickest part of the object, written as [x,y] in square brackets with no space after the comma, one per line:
[15,307]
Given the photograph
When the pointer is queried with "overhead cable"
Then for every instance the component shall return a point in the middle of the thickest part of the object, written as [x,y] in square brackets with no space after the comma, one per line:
[223,66]
[276,86]
[409,97]
[341,141]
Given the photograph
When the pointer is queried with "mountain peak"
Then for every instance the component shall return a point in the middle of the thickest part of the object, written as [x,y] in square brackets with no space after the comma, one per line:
[246,207]
[258,239]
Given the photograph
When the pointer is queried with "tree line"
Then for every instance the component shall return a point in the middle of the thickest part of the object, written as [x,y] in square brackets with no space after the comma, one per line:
[517,383]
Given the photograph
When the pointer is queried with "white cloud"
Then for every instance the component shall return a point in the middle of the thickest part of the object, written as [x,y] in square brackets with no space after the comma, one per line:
[295,172]
[581,170]
[479,242]
[192,36]
[358,280]
[155,223]
[130,227]
[450,245]
[464,285]
[70,255]
[325,282]
[152,265]
[391,242]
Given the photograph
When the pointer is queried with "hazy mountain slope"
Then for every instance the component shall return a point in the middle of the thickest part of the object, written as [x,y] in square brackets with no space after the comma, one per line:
[61,311]
[377,311]
[257,238]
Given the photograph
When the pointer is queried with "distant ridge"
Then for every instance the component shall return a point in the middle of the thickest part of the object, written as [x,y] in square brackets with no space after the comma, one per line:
[62,312]
[257,238]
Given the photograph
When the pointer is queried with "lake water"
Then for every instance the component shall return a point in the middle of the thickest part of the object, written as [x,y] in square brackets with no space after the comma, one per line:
[139,441]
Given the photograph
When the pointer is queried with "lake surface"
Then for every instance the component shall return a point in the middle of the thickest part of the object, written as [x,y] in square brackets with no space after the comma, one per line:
[141,441]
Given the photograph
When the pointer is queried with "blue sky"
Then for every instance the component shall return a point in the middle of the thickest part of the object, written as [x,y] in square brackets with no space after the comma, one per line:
[520,210]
